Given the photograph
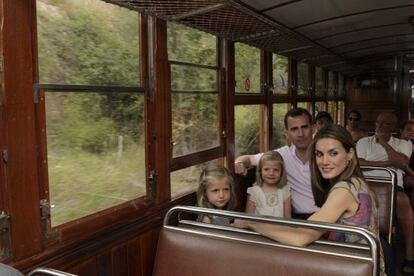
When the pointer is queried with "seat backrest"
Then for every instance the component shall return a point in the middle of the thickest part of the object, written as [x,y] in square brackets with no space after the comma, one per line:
[384,189]
[192,248]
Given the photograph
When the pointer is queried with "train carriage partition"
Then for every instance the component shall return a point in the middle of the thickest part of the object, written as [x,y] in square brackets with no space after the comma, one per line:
[188,247]
[383,182]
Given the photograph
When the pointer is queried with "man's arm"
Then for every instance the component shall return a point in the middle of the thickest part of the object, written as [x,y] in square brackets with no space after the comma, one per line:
[396,159]
[364,162]
[243,163]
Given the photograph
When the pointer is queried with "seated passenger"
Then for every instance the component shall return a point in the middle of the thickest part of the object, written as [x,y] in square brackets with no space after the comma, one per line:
[216,191]
[352,126]
[298,129]
[322,119]
[339,190]
[270,195]
[382,149]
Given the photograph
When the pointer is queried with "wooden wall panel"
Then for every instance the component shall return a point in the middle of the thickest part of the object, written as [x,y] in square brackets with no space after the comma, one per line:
[371,101]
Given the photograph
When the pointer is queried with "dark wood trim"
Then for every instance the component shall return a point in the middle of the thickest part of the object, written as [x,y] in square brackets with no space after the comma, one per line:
[229,59]
[63,255]
[196,158]
[377,46]
[20,140]
[162,128]
[249,99]
[370,39]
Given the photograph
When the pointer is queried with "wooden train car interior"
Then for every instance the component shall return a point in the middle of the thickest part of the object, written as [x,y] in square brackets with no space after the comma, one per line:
[109,109]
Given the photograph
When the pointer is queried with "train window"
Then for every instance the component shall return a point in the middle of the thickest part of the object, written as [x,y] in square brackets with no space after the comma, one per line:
[303,79]
[320,87]
[279,137]
[341,113]
[320,106]
[85,42]
[306,105]
[190,45]
[96,154]
[186,180]
[247,129]
[93,149]
[332,109]
[331,84]
[280,74]
[194,89]
[247,66]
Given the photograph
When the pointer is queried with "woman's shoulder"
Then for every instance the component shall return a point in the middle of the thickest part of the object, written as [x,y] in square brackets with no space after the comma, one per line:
[354,185]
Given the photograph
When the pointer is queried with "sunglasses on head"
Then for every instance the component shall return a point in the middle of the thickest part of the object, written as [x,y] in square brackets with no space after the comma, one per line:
[353,119]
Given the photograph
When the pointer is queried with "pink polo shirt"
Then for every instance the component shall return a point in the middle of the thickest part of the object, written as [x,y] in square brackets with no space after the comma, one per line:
[298,178]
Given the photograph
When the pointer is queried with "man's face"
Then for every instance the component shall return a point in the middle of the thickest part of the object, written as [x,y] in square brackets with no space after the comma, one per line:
[385,124]
[299,131]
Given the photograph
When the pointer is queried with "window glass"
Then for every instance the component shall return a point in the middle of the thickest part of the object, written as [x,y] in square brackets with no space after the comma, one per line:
[280,74]
[190,45]
[186,180]
[247,128]
[95,151]
[341,113]
[194,122]
[279,137]
[320,106]
[87,42]
[247,67]
[320,88]
[306,105]
[95,141]
[303,79]
[194,101]
[331,84]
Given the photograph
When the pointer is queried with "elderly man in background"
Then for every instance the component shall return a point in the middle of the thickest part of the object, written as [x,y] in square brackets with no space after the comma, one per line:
[384,150]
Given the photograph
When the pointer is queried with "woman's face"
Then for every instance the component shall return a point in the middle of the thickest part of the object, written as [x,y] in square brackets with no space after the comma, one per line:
[331,157]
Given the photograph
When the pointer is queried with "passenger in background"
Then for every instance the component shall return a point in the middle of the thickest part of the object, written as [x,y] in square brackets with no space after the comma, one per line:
[407,133]
[298,129]
[270,195]
[322,119]
[354,118]
[216,191]
[339,190]
[384,150]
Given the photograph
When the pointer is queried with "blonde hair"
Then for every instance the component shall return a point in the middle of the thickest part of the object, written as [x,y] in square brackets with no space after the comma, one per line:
[213,172]
[271,156]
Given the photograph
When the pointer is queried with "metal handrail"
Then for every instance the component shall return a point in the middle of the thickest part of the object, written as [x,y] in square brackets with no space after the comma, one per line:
[49,272]
[392,180]
[368,236]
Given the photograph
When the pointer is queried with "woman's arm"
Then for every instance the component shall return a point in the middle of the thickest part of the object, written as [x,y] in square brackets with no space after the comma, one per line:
[339,201]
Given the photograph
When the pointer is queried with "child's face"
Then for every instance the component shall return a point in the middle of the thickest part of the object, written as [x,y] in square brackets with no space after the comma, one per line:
[218,192]
[271,172]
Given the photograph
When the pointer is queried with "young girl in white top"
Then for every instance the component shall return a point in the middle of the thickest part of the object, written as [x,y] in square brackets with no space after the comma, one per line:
[216,190]
[270,195]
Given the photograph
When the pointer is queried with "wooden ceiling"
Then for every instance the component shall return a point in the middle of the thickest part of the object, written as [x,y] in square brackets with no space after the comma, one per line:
[353,36]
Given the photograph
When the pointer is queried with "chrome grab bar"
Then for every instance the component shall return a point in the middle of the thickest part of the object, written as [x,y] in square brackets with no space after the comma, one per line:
[49,272]
[174,215]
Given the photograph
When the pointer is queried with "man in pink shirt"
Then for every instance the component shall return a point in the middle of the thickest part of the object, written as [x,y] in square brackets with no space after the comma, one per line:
[298,129]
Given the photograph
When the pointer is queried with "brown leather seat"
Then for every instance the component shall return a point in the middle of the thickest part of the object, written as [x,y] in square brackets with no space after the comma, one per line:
[199,250]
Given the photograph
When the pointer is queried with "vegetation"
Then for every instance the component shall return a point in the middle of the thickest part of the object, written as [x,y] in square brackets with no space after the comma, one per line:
[96,146]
